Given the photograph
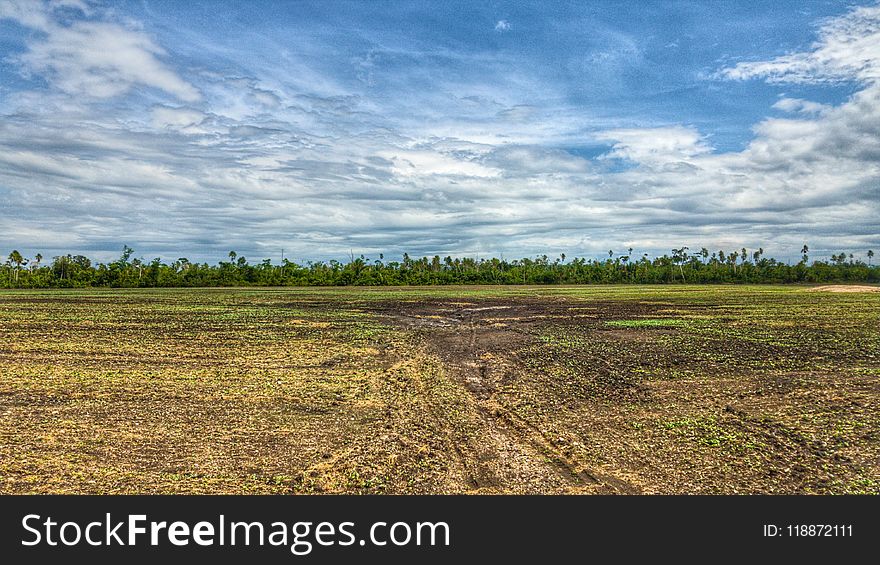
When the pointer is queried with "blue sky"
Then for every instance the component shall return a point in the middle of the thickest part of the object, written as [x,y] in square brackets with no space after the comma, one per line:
[465,128]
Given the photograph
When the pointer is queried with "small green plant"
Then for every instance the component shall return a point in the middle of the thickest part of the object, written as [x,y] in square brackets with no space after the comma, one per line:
[647,323]
[706,431]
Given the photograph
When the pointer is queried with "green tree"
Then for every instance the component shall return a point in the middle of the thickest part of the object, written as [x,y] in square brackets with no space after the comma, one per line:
[17,261]
[679,256]
[127,252]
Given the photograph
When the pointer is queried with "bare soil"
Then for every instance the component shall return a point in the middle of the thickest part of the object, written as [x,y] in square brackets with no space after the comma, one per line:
[479,345]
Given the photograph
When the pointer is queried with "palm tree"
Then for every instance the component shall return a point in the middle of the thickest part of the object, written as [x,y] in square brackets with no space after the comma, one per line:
[139,265]
[680,256]
[16,259]
[804,251]
[126,255]
[870,256]
[37,258]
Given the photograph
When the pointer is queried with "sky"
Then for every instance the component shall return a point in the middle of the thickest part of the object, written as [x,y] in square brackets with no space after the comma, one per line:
[189,129]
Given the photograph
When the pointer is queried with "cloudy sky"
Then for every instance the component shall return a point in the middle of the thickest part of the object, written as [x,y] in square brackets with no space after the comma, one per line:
[473,128]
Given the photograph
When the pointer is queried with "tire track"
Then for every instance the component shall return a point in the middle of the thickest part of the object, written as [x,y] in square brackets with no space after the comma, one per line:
[510,453]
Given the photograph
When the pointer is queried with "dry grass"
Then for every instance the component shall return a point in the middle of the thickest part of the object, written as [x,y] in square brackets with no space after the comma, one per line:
[844,288]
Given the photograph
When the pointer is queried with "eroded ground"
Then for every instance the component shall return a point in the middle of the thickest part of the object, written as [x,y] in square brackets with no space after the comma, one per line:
[478,390]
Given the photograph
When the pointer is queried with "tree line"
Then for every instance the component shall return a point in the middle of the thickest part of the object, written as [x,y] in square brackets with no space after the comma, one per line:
[679,266]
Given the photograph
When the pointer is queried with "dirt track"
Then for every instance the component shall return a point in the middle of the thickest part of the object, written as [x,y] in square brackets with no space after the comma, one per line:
[478,344]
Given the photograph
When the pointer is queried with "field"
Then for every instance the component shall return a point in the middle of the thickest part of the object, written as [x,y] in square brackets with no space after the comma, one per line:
[674,389]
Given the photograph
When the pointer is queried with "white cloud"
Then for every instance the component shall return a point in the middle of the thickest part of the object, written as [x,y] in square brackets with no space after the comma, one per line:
[800,106]
[518,160]
[502,25]
[408,163]
[97,59]
[518,113]
[653,146]
[27,12]
[266,98]
[176,118]
[848,49]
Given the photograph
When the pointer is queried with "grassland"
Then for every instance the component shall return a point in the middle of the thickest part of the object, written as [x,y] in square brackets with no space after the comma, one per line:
[702,389]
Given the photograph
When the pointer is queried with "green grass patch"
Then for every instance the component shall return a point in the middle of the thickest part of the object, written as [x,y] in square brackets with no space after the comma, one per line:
[706,431]
[647,323]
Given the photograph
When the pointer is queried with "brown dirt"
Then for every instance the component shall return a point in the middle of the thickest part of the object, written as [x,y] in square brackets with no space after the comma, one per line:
[478,344]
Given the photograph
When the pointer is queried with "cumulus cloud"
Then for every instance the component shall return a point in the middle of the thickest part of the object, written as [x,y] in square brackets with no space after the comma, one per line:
[800,106]
[848,49]
[32,14]
[653,146]
[98,59]
[266,97]
[519,160]
[176,118]
[502,25]
[408,163]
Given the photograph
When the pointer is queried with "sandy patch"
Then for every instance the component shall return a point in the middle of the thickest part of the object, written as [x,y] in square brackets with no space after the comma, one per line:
[844,288]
